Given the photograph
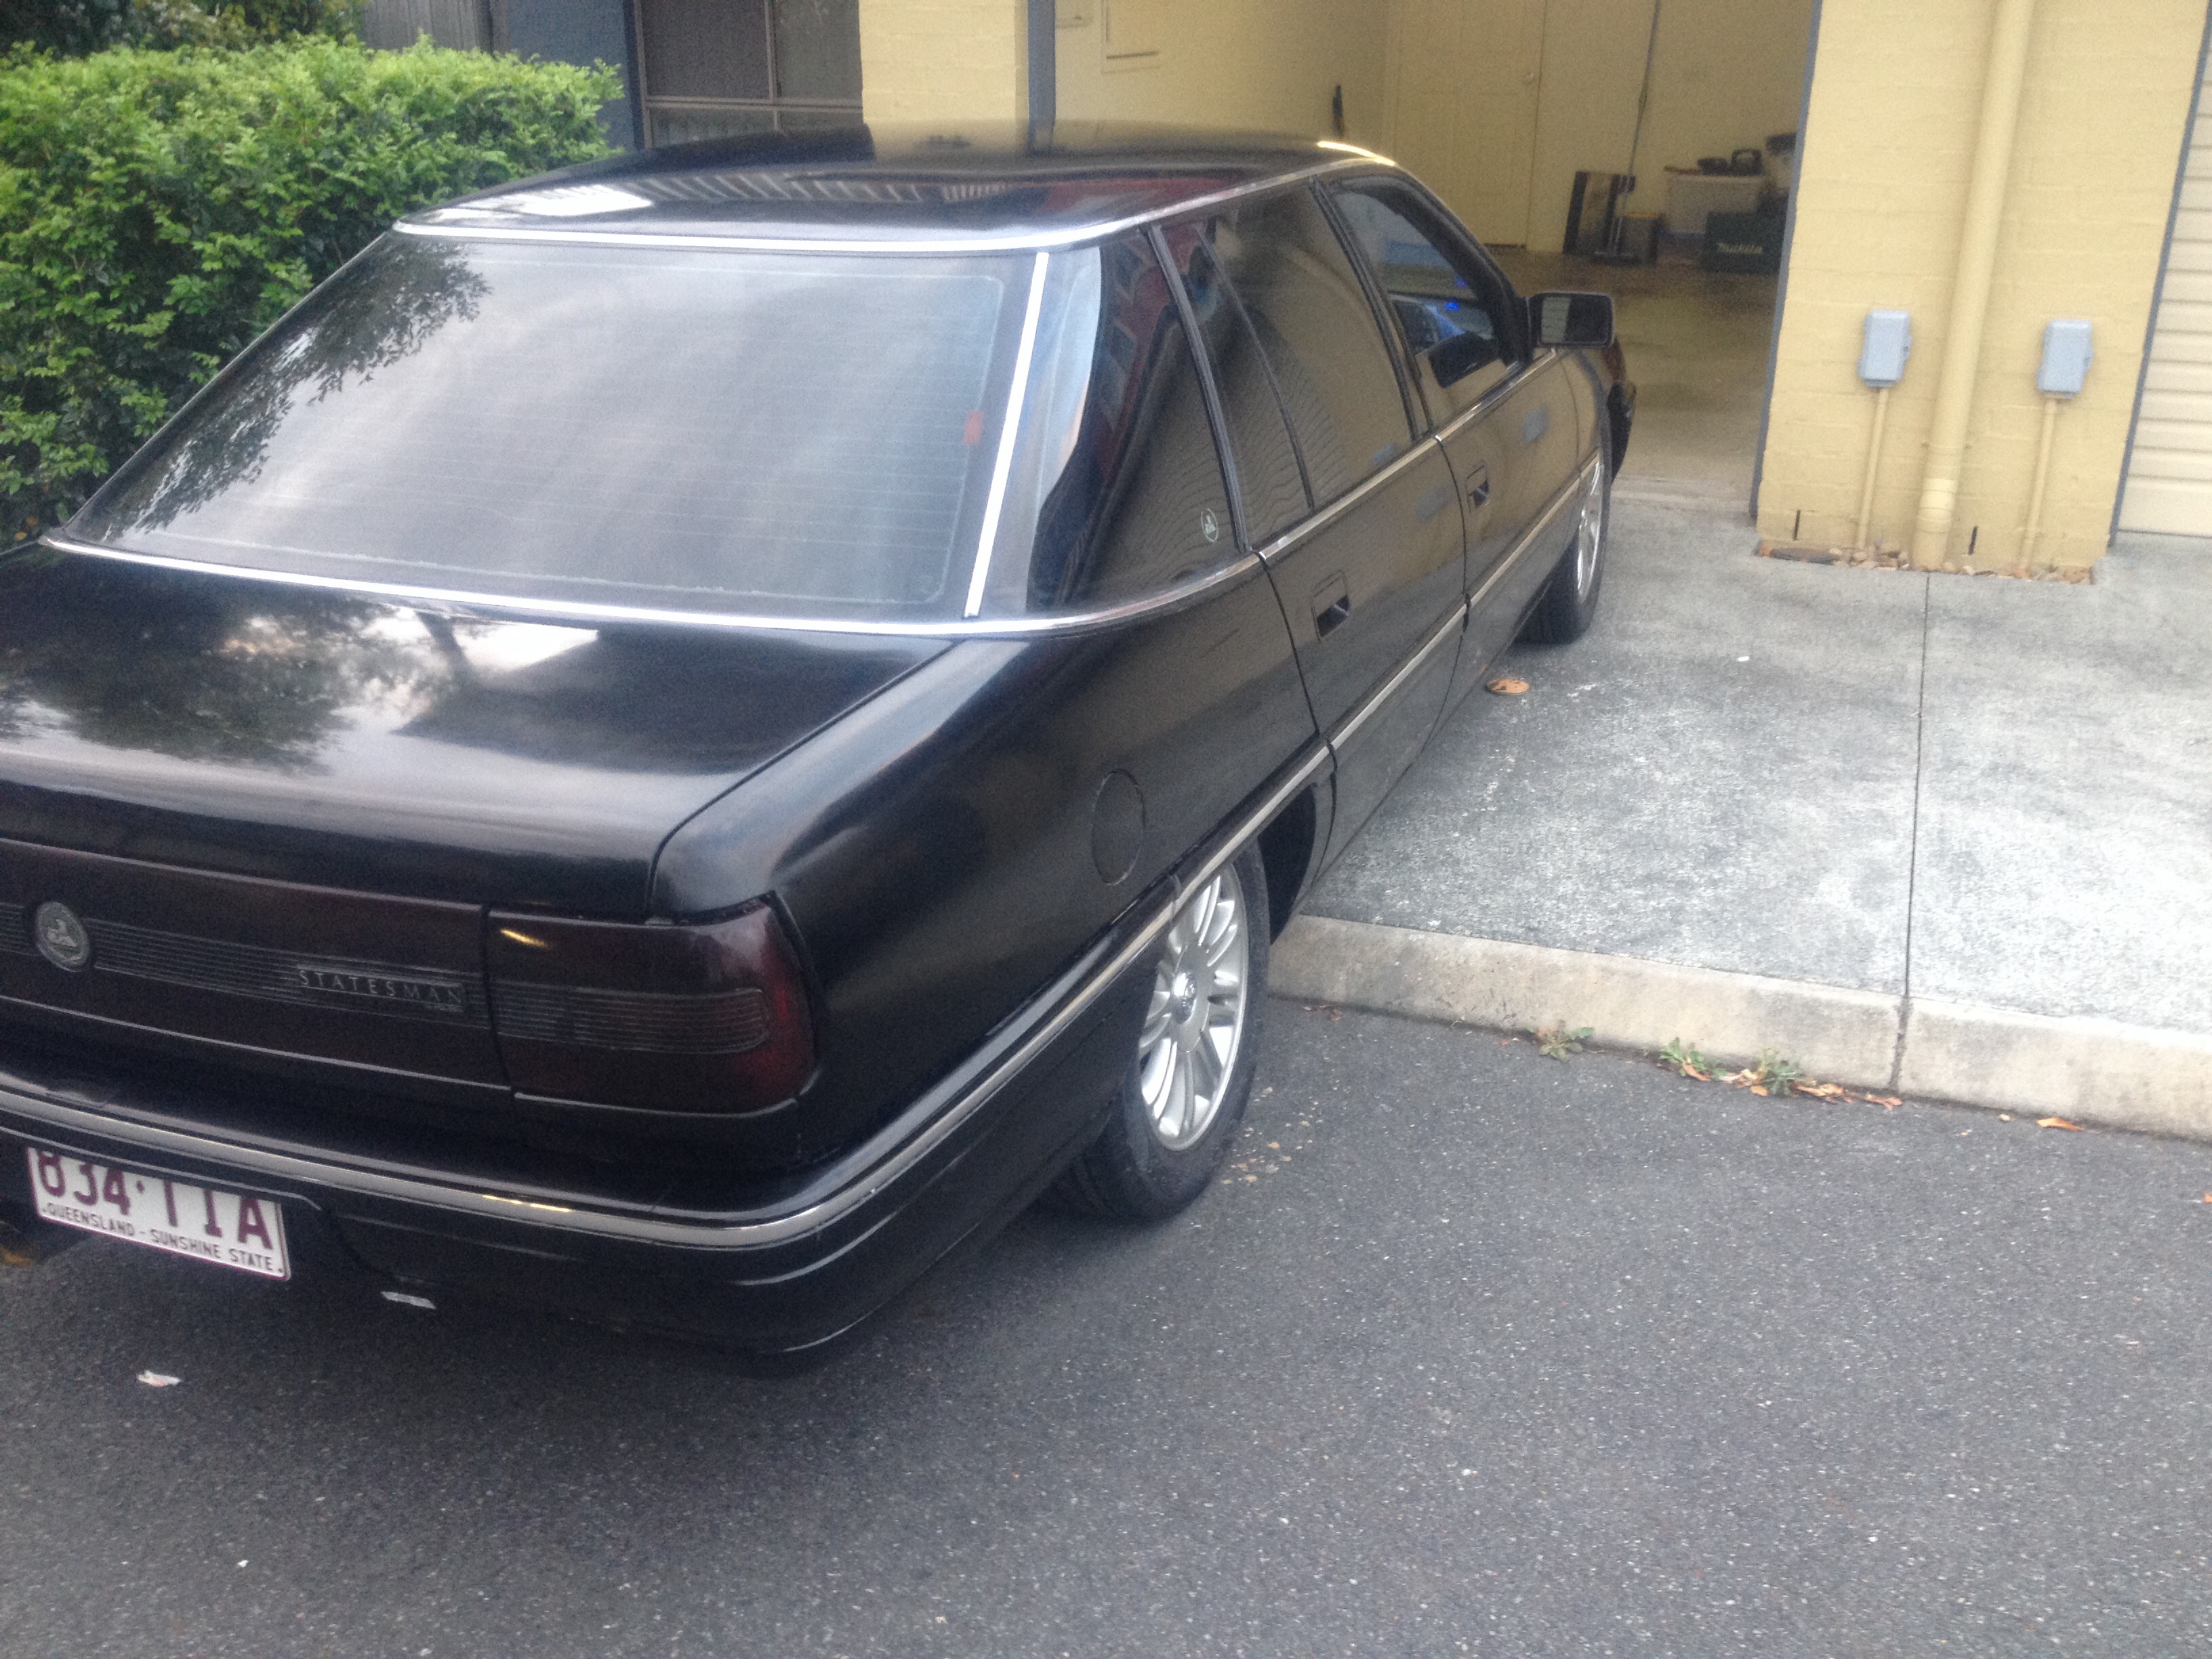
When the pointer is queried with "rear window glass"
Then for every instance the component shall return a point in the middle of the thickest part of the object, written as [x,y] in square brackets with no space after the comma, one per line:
[750,432]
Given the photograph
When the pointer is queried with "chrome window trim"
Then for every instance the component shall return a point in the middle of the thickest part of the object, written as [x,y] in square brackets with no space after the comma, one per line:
[1051,241]
[1522,373]
[469,602]
[1209,389]
[1009,429]
[892,1153]
[1324,515]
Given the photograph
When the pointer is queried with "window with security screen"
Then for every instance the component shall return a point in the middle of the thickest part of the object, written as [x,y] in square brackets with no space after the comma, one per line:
[709,68]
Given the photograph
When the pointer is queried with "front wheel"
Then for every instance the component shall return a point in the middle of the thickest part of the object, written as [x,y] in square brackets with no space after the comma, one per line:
[1570,598]
[1185,1091]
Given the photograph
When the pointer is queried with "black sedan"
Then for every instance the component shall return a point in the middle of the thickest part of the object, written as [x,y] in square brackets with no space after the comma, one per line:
[680,737]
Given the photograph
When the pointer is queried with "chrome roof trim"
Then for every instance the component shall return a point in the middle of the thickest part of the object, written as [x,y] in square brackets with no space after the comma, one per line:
[585,613]
[1009,433]
[1049,240]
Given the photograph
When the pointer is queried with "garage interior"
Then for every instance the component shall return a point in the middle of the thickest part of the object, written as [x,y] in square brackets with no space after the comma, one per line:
[1644,149]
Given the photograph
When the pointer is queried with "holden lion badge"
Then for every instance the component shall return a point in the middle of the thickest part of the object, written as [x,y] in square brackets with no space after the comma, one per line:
[62,938]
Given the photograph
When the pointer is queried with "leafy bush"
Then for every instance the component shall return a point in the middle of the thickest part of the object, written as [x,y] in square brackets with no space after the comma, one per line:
[160,209]
[73,27]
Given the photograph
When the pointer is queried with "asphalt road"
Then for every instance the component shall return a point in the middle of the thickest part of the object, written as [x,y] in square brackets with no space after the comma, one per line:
[1475,1351]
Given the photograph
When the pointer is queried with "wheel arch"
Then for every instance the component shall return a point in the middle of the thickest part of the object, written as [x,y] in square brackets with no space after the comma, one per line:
[1287,849]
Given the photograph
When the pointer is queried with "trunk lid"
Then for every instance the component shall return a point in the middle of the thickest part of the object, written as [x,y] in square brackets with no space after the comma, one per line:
[277,815]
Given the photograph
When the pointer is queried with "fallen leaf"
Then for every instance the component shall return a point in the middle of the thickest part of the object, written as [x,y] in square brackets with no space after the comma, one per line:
[159,1379]
[1758,1088]
[2206,1199]
[1509,687]
[1884,1100]
[2056,1123]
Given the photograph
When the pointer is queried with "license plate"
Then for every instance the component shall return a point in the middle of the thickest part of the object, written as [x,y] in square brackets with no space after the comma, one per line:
[231,1230]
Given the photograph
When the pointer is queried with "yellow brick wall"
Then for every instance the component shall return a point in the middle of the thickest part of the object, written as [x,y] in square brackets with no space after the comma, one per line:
[1882,183]
[1262,65]
[954,62]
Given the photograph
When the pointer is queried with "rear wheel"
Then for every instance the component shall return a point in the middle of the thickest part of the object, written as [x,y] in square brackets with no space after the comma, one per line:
[1570,600]
[1184,1095]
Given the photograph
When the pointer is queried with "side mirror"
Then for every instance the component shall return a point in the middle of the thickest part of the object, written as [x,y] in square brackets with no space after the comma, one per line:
[1573,321]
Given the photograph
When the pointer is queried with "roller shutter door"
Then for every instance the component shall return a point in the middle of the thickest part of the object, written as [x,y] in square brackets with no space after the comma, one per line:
[2169,484]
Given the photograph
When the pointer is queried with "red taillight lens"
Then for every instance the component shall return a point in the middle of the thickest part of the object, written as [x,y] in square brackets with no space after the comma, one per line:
[711,1018]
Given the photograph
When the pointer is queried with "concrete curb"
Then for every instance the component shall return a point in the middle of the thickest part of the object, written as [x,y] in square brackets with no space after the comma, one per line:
[2090,1070]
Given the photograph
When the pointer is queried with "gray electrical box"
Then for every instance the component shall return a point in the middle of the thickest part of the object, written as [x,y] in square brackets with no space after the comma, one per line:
[1888,344]
[2066,356]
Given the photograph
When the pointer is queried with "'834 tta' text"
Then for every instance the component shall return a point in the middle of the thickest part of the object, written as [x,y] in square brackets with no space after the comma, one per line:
[232,1229]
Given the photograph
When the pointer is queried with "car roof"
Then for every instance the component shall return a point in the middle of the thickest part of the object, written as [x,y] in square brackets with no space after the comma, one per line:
[906,188]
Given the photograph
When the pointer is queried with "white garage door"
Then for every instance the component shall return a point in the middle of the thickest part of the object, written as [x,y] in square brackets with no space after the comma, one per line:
[2169,484]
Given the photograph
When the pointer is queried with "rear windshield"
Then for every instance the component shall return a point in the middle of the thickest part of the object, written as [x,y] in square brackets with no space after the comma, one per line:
[746,433]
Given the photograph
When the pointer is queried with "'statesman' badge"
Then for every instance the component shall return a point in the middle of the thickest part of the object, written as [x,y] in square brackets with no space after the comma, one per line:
[437,996]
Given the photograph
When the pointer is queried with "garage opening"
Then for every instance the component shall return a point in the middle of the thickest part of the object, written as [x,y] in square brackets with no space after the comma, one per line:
[2168,486]
[1646,148]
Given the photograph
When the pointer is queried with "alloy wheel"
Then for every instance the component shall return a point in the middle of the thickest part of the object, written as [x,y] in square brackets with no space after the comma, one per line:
[1196,1018]
[1589,535]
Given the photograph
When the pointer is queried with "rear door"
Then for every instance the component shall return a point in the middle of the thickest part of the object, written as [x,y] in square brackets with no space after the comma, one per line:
[1506,417]
[1356,516]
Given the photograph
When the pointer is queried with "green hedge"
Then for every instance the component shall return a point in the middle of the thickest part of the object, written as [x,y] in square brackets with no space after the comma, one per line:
[160,209]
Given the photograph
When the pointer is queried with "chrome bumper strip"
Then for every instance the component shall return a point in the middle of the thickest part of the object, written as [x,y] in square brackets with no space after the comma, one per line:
[841,1188]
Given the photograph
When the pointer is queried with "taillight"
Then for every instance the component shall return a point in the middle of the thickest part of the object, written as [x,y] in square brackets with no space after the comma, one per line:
[706,1017]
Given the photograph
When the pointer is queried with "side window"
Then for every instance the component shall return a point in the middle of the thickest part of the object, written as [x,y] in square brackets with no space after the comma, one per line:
[1319,334]
[1449,306]
[1135,503]
[1269,475]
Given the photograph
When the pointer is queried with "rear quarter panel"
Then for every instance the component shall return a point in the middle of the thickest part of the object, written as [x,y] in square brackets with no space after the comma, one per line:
[934,849]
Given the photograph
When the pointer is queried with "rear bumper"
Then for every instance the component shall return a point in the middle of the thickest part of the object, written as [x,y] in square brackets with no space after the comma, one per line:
[776,1276]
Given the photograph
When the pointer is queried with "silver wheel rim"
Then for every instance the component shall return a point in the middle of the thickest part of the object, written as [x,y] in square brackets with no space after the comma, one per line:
[1589,535]
[1195,1023]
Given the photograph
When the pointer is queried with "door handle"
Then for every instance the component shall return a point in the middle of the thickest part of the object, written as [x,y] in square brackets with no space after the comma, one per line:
[1477,484]
[1332,605]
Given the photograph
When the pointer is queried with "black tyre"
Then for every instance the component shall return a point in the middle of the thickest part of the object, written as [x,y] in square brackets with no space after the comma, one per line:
[1178,1108]
[1570,598]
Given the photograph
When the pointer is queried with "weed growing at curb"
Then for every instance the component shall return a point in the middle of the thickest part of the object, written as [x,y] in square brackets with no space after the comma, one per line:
[1559,1042]
[1769,1075]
